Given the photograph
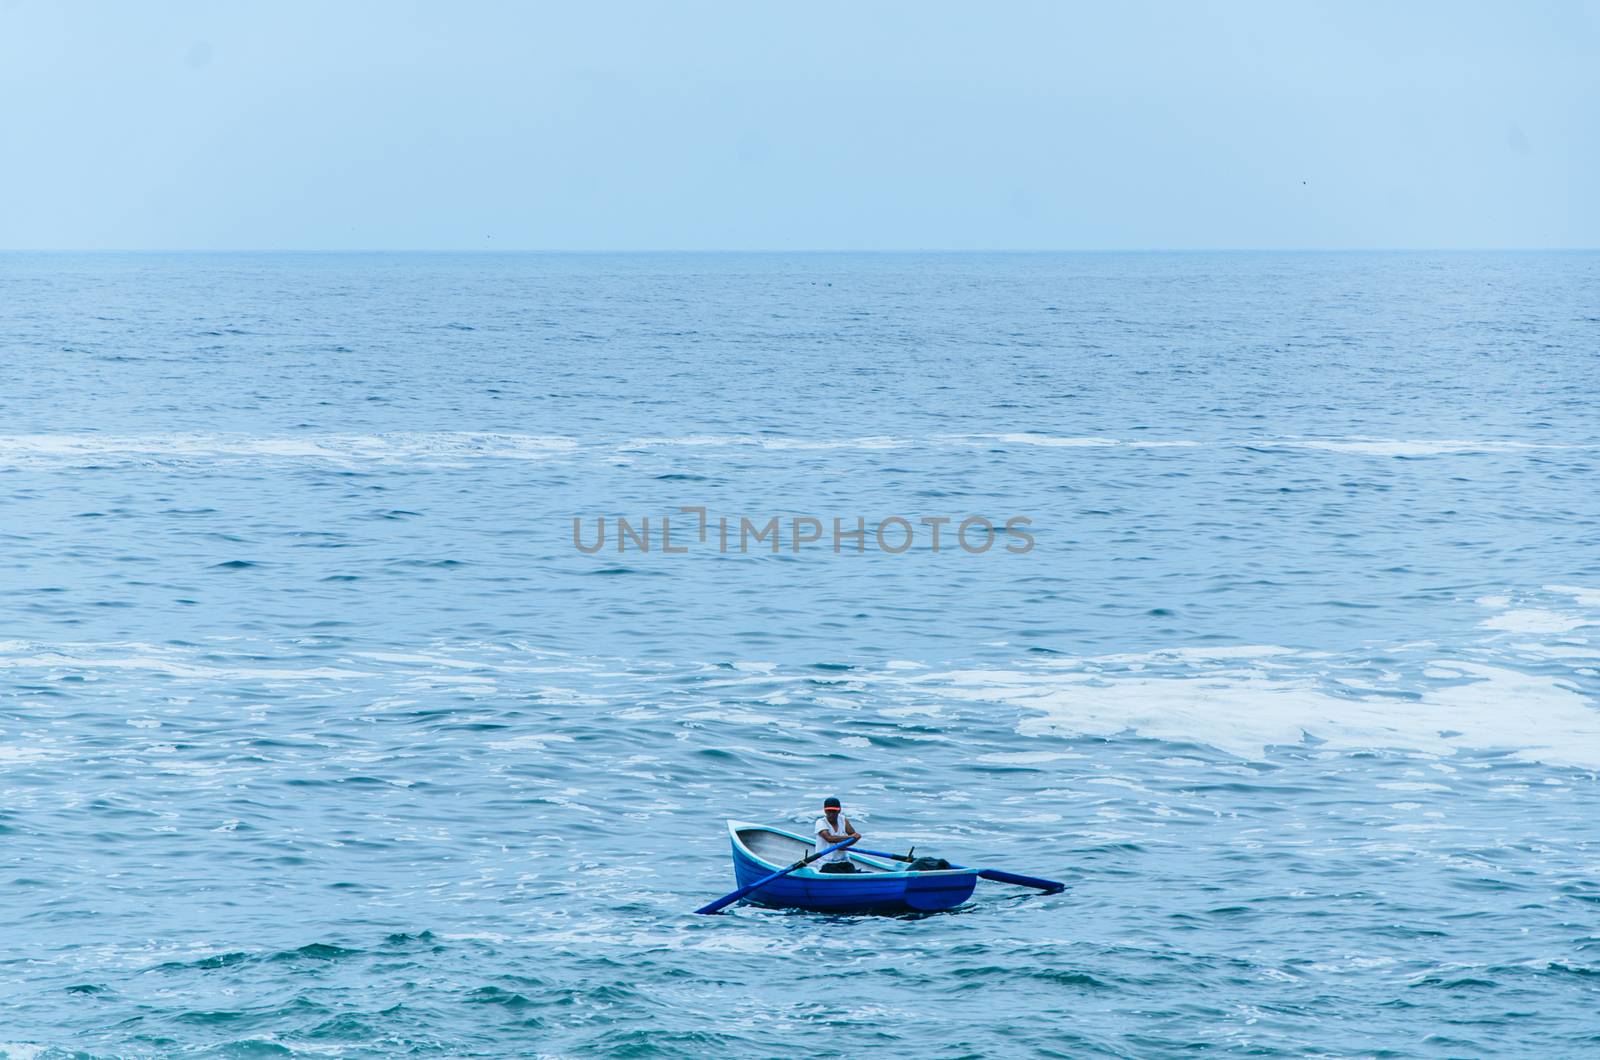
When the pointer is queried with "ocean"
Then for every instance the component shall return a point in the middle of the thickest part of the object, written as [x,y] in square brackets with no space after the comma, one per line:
[1265,614]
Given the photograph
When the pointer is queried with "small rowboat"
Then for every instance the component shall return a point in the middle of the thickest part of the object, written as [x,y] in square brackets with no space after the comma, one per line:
[877,886]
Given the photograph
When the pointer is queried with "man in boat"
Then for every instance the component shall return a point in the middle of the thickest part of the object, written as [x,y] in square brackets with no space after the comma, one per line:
[833,827]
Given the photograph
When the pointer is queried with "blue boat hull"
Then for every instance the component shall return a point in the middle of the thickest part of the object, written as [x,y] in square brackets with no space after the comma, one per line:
[861,892]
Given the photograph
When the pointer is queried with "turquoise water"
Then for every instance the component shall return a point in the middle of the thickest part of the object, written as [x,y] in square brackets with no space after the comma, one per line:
[318,735]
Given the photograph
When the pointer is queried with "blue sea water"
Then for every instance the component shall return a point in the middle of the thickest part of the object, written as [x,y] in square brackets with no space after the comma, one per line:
[319,736]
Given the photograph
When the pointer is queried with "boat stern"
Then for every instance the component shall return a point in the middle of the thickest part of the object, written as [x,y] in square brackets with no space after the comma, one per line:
[933,892]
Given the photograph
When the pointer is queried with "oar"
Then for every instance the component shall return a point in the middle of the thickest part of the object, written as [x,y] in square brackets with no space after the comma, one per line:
[729,899]
[1048,886]
[883,854]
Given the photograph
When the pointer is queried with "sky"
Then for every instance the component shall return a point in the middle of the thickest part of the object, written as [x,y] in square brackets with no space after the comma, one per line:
[594,125]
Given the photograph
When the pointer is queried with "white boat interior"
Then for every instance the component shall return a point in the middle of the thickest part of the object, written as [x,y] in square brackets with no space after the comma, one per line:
[783,850]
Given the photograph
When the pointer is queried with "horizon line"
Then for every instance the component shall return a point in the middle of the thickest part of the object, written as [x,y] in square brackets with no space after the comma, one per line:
[806,250]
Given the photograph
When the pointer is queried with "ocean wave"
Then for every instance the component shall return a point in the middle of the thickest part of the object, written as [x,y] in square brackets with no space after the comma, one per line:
[1521,688]
[149,658]
[178,450]
[1409,446]
[1501,694]
[1249,711]
[456,448]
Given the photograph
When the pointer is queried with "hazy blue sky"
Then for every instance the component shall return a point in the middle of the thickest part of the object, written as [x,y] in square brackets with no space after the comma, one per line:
[742,124]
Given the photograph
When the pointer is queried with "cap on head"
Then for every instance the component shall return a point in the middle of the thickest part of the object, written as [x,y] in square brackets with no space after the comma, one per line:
[830,803]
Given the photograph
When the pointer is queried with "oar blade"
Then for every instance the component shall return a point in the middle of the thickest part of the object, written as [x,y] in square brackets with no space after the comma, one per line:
[726,900]
[1047,886]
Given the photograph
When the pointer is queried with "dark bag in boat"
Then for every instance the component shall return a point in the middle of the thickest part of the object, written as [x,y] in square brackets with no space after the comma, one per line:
[927,865]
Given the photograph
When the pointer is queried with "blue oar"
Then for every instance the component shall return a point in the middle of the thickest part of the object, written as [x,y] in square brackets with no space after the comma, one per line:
[1048,886]
[883,854]
[729,899]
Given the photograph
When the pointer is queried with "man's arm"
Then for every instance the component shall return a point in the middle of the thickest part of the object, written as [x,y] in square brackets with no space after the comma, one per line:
[836,837]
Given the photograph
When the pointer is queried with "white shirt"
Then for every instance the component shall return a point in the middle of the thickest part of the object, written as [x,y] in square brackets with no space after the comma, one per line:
[823,844]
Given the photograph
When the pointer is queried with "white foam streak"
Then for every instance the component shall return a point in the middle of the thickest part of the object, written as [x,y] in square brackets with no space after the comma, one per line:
[1038,439]
[36,450]
[154,660]
[453,448]
[1583,597]
[1245,711]
[1533,620]
[1404,446]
